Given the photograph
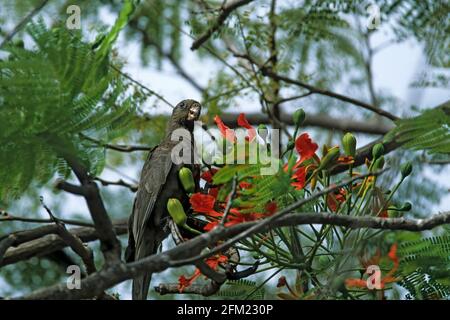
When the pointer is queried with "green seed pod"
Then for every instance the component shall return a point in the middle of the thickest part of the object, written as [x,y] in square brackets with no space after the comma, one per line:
[406,207]
[377,150]
[262,131]
[176,211]
[186,179]
[406,169]
[378,164]
[349,143]
[299,117]
[329,158]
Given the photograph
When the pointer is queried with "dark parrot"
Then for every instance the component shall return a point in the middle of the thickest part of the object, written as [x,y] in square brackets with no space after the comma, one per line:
[148,223]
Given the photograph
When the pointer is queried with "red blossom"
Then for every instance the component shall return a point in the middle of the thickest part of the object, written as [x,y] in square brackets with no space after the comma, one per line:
[208,175]
[383,214]
[214,192]
[300,177]
[281,282]
[305,147]
[389,278]
[212,262]
[211,225]
[204,203]
[271,207]
[335,198]
[226,132]
[242,121]
[245,185]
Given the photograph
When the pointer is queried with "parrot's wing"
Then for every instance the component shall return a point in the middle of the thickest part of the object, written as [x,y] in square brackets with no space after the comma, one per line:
[154,175]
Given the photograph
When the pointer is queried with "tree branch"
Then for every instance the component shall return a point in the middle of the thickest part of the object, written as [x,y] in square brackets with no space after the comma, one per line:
[187,252]
[205,290]
[22,23]
[168,55]
[109,243]
[73,241]
[268,72]
[115,147]
[43,240]
[225,11]
[5,217]
[319,120]
[119,182]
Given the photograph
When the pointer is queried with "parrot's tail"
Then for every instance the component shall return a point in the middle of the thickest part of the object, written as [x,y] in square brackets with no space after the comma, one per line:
[141,284]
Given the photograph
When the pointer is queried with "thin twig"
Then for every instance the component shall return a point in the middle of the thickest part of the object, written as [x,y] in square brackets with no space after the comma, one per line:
[6,216]
[23,22]
[229,202]
[43,240]
[225,11]
[121,148]
[119,182]
[268,72]
[73,241]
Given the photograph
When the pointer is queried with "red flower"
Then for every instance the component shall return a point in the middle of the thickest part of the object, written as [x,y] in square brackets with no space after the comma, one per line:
[245,185]
[305,147]
[271,207]
[300,177]
[389,278]
[226,132]
[237,217]
[281,282]
[335,199]
[212,262]
[204,203]
[383,214]
[214,192]
[211,225]
[208,175]
[242,121]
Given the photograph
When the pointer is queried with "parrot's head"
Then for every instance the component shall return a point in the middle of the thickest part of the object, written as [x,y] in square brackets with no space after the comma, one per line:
[186,112]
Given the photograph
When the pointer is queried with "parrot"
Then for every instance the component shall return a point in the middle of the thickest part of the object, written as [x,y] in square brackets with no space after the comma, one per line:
[148,224]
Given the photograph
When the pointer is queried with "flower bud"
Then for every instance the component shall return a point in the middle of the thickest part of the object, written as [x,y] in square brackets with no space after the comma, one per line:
[262,131]
[406,169]
[349,143]
[378,164]
[406,207]
[377,150]
[329,157]
[176,211]
[186,179]
[299,117]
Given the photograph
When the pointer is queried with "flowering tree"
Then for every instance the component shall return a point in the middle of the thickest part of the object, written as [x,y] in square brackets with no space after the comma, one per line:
[330,210]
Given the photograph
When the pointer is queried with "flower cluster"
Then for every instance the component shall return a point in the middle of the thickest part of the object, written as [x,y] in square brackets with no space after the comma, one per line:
[243,195]
[375,261]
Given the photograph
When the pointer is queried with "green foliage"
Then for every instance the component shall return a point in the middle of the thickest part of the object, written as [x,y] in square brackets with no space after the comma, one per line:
[425,267]
[429,131]
[421,286]
[241,289]
[49,95]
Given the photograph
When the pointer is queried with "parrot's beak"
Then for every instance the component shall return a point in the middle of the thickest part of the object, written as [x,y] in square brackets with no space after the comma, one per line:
[194,113]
